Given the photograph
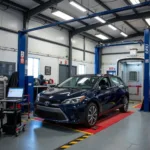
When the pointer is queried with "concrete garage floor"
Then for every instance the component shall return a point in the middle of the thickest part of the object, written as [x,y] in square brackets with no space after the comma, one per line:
[131,133]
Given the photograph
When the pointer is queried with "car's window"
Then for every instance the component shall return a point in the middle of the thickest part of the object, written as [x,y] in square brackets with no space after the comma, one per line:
[121,82]
[104,82]
[80,82]
[115,81]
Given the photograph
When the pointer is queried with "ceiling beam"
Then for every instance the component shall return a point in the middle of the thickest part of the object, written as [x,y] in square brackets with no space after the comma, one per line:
[39,16]
[92,37]
[41,2]
[133,28]
[48,19]
[14,5]
[51,20]
[135,11]
[115,14]
[23,9]
[123,38]
[104,33]
[42,7]
[113,20]
[67,27]
[19,7]
[82,22]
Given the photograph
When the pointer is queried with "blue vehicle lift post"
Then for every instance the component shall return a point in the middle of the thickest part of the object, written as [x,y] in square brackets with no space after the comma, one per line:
[21,58]
[24,80]
[146,102]
[98,57]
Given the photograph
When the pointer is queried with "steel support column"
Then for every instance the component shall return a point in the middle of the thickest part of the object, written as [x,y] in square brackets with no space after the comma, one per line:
[25,27]
[70,55]
[21,58]
[98,57]
[146,104]
[84,48]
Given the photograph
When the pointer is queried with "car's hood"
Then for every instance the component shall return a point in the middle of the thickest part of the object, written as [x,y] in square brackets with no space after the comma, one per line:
[62,94]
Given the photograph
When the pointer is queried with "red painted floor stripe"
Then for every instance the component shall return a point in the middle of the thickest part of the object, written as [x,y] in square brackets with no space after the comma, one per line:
[138,106]
[103,123]
[107,122]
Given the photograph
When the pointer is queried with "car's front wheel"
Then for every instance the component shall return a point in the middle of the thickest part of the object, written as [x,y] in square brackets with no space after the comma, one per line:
[125,106]
[91,115]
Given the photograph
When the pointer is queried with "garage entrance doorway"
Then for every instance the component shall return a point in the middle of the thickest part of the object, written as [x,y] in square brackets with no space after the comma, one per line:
[131,70]
[64,72]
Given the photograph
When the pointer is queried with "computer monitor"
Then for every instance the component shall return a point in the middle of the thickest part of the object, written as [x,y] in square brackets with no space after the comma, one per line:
[15,93]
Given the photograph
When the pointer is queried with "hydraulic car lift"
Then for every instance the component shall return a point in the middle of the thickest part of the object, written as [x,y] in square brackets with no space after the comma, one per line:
[27,82]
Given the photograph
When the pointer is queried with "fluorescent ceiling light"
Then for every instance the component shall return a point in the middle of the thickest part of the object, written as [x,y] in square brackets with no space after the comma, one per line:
[148,20]
[134,63]
[122,33]
[100,19]
[112,27]
[103,37]
[62,15]
[78,6]
[134,2]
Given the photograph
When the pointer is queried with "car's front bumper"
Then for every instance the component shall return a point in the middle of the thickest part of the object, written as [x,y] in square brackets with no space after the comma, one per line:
[61,113]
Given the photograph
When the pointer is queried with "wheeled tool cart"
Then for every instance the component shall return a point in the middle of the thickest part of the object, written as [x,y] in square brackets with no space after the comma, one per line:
[13,123]
[25,105]
[3,85]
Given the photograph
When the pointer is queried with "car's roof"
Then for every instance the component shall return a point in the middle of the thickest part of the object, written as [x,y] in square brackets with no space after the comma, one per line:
[95,75]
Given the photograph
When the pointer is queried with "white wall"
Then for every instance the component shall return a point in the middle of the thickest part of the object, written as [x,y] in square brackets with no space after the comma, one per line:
[77,41]
[49,54]
[53,34]
[111,60]
[89,45]
[11,19]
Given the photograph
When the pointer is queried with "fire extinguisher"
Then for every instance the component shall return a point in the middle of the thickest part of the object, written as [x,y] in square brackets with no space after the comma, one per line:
[51,81]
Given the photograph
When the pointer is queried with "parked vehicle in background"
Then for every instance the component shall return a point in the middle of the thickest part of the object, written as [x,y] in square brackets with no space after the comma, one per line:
[82,99]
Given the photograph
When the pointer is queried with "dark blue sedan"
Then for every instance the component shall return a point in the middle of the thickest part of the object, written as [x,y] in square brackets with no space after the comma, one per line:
[82,99]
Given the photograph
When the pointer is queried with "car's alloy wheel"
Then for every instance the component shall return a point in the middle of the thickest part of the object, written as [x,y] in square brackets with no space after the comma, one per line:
[92,115]
[125,104]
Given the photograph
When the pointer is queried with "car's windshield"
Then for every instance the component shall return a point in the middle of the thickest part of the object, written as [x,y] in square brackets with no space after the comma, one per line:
[84,82]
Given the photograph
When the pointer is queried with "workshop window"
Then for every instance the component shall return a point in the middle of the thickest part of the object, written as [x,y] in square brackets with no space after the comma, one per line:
[33,67]
[82,69]
[133,76]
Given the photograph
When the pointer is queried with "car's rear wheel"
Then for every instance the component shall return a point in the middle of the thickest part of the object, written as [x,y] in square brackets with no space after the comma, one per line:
[91,115]
[125,106]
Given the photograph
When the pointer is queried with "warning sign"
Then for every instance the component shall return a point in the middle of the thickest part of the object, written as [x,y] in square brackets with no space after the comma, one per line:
[22,57]
[22,60]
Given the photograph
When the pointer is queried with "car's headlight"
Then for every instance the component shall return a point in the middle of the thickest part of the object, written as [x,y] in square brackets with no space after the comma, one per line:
[74,100]
[38,98]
